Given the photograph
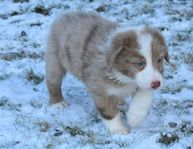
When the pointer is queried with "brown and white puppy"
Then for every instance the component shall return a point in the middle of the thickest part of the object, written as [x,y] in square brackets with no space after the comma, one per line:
[111,61]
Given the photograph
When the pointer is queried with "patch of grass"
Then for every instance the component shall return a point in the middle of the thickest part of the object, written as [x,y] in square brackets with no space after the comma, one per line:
[6,104]
[3,101]
[172,124]
[36,24]
[36,104]
[49,146]
[66,7]
[182,36]
[98,141]
[33,77]
[36,45]
[43,126]
[163,28]
[3,16]
[74,131]
[168,138]
[161,107]
[186,127]
[4,77]
[183,105]
[101,8]
[146,8]
[172,89]
[88,136]
[122,144]
[20,1]
[189,14]
[57,133]
[188,59]
[23,34]
[11,56]
[178,107]
[91,138]
[15,13]
[15,21]
[41,10]
[35,89]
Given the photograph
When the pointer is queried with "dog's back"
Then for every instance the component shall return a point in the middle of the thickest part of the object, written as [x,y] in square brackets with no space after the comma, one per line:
[75,37]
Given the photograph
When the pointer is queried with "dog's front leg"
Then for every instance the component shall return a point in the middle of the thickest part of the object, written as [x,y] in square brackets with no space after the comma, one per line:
[107,107]
[139,107]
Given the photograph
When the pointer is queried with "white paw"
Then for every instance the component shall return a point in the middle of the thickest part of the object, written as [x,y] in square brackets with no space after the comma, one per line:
[116,125]
[123,130]
[133,123]
[60,105]
[135,119]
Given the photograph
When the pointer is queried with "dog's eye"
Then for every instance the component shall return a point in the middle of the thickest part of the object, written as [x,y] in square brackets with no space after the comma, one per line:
[140,64]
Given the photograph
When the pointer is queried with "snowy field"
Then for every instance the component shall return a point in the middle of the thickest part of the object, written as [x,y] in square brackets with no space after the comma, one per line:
[28,122]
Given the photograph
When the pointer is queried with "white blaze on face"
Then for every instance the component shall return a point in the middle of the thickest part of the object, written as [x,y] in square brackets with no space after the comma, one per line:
[149,74]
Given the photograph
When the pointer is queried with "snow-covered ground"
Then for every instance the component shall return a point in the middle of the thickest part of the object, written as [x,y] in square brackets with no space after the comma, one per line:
[26,119]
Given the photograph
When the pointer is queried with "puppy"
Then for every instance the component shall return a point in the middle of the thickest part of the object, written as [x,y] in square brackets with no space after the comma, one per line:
[113,63]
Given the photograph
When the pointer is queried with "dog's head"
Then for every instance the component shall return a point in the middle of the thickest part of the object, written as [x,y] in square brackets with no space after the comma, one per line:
[139,55]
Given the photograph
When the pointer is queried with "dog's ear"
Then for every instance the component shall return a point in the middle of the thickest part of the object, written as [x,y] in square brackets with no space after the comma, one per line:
[112,53]
[121,41]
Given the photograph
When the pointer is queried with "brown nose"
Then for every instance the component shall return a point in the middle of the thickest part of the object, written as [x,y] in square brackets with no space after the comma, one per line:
[155,84]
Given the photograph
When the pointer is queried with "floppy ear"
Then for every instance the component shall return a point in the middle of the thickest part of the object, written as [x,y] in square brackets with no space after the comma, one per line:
[112,53]
[120,42]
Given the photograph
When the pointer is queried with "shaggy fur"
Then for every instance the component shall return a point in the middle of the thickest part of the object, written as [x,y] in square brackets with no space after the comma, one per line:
[112,63]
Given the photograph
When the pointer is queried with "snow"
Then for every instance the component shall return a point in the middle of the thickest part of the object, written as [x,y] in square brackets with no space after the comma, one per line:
[27,120]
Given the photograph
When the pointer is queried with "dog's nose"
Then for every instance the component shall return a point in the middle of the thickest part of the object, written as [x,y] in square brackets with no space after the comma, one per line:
[155,84]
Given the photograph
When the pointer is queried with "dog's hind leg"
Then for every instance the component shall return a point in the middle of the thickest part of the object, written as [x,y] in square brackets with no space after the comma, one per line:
[54,76]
